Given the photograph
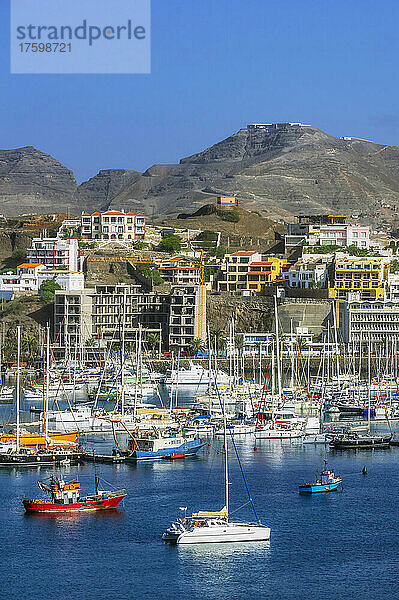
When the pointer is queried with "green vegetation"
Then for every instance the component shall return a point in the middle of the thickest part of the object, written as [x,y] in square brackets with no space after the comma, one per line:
[218,339]
[322,249]
[394,266]
[152,274]
[351,250]
[207,236]
[47,290]
[170,243]
[139,245]
[153,341]
[231,215]
[19,254]
[219,252]
[197,345]
[14,307]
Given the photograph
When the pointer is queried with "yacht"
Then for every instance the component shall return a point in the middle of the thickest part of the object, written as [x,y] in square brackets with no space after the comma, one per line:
[215,527]
[194,375]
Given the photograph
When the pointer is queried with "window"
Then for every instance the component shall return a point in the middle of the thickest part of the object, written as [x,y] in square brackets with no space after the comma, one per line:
[130,220]
[113,219]
[120,229]
[105,229]
[96,219]
[106,219]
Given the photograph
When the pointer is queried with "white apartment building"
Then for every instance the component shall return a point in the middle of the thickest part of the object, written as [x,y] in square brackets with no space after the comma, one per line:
[392,291]
[327,231]
[30,276]
[179,270]
[367,321]
[305,274]
[55,252]
[113,225]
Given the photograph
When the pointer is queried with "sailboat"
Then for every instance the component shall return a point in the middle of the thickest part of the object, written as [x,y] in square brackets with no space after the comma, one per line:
[214,526]
[23,448]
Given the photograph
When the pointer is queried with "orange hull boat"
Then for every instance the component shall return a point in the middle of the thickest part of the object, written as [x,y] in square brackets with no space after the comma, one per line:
[39,440]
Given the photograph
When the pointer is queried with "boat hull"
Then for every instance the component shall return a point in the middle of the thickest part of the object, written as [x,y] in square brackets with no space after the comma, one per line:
[360,443]
[42,459]
[319,489]
[42,507]
[230,532]
[186,449]
[38,440]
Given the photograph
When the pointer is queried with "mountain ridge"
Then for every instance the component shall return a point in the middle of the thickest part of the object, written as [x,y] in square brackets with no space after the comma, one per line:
[278,169]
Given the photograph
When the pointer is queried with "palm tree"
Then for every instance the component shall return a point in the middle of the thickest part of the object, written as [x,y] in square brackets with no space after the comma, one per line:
[197,345]
[239,343]
[29,346]
[153,341]
[218,336]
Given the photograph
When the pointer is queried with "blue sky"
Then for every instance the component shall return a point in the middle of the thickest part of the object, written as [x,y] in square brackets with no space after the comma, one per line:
[216,66]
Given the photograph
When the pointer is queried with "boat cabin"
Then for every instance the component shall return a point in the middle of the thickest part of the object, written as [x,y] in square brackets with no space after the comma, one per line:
[65,492]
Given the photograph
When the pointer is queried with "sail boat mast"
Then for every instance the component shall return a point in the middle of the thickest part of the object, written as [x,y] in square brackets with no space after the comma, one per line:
[226,457]
[18,381]
[280,392]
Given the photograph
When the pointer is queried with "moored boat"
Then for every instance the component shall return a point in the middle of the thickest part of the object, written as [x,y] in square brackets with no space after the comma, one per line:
[353,440]
[65,498]
[328,482]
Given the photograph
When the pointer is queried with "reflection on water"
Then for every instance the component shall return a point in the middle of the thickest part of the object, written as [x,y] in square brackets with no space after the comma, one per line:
[220,554]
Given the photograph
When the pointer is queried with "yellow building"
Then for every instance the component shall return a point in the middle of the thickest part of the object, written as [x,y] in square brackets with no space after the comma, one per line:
[261,273]
[365,275]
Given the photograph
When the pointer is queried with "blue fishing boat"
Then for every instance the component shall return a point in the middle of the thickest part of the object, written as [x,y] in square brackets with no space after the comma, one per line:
[156,445]
[328,482]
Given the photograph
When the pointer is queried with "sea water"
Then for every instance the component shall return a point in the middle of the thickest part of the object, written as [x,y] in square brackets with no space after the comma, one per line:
[338,545]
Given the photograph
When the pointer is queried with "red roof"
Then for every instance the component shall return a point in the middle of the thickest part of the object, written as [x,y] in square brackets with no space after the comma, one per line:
[113,212]
[140,215]
[243,253]
[85,214]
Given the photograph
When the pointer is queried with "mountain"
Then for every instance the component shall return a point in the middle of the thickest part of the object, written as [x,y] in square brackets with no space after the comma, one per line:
[279,170]
[34,182]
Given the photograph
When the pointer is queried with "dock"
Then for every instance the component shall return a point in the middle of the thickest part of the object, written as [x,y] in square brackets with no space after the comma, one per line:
[103,458]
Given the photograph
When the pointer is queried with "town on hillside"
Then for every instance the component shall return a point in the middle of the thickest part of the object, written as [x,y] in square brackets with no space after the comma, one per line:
[335,281]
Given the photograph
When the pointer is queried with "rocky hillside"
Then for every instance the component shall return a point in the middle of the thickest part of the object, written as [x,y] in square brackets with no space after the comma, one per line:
[280,170]
[34,182]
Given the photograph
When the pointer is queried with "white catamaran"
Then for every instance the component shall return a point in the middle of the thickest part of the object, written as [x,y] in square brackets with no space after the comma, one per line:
[214,527]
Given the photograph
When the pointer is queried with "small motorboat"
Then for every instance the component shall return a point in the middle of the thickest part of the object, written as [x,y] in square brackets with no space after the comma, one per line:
[328,482]
[173,456]
[65,498]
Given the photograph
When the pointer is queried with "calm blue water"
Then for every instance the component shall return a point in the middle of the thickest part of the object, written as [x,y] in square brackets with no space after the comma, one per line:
[343,545]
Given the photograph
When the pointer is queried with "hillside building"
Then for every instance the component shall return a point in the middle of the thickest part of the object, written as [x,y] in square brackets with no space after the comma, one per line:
[326,230]
[227,201]
[307,273]
[100,313]
[234,272]
[365,276]
[113,225]
[262,273]
[364,322]
[55,253]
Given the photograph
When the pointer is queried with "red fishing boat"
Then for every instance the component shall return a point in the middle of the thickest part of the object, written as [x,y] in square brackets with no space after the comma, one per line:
[65,498]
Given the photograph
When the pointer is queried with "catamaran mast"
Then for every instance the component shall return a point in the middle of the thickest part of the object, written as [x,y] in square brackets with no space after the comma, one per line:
[18,381]
[226,458]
